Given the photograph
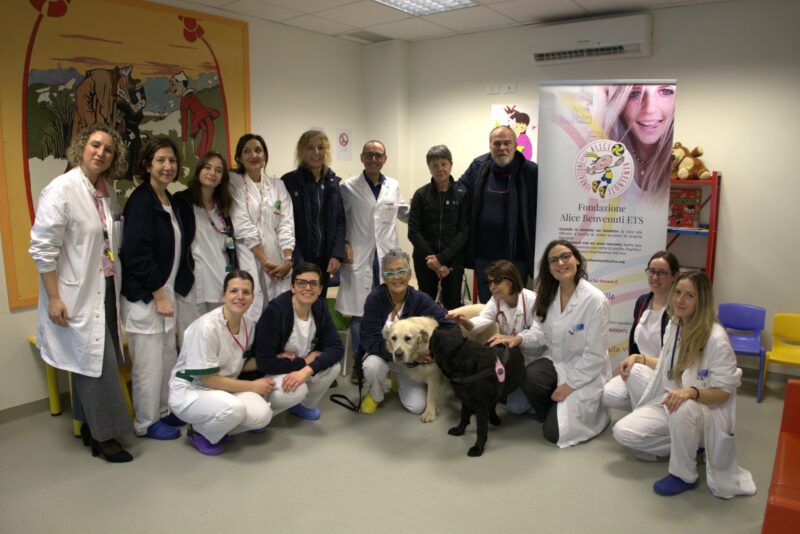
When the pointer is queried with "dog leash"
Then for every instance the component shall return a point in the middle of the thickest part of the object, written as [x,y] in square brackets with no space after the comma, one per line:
[341,399]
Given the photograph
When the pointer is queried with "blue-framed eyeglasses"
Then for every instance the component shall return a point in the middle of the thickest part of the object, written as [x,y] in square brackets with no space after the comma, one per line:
[399,273]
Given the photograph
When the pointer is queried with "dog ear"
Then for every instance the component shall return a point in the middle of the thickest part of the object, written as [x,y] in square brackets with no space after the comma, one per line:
[424,336]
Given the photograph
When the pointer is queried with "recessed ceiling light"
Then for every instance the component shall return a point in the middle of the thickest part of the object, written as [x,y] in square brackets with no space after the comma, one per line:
[419,8]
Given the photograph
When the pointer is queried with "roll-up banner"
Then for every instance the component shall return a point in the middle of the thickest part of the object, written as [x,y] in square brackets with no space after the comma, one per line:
[604,157]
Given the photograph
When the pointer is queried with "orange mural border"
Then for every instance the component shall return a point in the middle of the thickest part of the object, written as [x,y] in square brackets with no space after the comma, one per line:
[20,273]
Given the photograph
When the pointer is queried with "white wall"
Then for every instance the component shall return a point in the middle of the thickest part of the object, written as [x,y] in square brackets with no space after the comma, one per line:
[738,86]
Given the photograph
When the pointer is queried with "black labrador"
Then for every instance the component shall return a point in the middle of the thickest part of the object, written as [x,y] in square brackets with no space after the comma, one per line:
[475,371]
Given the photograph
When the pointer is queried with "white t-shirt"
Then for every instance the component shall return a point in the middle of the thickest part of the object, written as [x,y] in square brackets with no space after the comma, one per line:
[302,336]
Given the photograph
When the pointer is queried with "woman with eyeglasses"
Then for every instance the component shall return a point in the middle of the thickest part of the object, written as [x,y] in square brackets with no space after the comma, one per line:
[564,387]
[297,345]
[204,389]
[511,308]
[646,337]
[393,300]
[690,400]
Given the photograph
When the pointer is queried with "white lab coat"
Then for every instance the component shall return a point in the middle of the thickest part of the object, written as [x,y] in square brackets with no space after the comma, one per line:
[370,223]
[716,369]
[67,237]
[577,344]
[262,214]
[510,322]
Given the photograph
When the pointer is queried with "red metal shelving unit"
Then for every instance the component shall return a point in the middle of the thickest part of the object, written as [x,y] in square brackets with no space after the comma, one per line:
[707,230]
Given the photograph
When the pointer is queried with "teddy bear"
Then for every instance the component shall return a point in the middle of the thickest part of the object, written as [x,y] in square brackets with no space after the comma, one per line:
[685,164]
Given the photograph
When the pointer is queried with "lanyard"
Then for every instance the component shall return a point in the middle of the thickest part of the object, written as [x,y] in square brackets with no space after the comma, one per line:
[216,211]
[670,374]
[500,313]
[236,340]
[260,190]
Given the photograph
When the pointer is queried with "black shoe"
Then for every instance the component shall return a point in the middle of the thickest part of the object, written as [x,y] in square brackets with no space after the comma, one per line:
[111,451]
[86,436]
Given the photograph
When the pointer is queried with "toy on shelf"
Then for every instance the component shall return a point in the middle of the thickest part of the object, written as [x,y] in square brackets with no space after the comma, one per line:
[686,165]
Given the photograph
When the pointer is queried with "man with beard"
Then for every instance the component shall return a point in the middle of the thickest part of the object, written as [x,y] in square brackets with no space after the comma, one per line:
[502,186]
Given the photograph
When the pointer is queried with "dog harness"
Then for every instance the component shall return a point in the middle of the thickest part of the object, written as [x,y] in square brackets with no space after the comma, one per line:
[499,370]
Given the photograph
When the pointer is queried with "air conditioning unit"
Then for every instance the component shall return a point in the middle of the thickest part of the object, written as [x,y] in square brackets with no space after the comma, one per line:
[585,40]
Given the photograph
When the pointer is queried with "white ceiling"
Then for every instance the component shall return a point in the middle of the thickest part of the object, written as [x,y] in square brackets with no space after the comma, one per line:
[342,18]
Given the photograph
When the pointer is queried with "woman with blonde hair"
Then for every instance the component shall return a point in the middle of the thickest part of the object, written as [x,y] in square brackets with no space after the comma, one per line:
[690,401]
[74,241]
[642,117]
[319,220]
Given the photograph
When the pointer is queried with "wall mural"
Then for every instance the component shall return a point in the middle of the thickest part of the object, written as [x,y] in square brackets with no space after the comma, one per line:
[141,68]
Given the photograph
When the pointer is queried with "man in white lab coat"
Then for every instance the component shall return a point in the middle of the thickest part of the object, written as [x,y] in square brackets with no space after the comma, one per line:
[372,204]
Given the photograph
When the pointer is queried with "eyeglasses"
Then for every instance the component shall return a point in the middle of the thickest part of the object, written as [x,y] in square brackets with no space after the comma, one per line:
[313,284]
[658,274]
[555,260]
[496,281]
[399,273]
[373,155]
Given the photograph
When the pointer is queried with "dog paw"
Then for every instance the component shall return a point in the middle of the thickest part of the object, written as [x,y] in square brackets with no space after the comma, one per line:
[475,451]
[456,431]
[428,416]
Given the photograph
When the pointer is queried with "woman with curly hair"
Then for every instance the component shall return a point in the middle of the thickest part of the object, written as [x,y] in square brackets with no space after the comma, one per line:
[73,243]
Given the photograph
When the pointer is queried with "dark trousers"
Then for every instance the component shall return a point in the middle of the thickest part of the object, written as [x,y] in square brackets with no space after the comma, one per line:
[483,281]
[322,263]
[540,381]
[429,283]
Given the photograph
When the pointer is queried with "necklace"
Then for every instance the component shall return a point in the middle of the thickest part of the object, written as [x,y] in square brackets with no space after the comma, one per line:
[215,211]
[235,339]
[640,164]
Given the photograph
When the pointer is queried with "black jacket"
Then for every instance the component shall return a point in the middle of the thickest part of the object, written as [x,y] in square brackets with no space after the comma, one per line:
[148,245]
[273,331]
[522,187]
[440,229]
[296,183]
[641,305]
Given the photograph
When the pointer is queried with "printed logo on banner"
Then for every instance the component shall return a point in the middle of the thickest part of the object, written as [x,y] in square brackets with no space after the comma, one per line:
[604,169]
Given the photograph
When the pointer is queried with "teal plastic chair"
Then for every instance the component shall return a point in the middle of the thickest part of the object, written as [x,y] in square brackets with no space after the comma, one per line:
[342,324]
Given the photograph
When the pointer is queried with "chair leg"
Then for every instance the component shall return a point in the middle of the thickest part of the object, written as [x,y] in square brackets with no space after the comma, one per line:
[762,375]
[346,349]
[52,389]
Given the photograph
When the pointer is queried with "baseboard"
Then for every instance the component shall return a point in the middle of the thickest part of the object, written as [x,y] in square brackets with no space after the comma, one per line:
[32,408]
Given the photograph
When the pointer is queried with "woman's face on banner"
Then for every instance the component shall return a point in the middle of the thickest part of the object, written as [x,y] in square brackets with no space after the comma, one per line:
[649,112]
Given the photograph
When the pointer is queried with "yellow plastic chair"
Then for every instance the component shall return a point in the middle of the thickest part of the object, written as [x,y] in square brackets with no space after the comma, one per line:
[785,340]
[342,325]
[55,397]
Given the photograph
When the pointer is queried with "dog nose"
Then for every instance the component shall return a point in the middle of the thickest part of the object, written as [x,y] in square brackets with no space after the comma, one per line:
[398,354]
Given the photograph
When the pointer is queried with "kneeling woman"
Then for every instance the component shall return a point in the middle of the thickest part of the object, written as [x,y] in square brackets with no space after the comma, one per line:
[393,300]
[690,401]
[204,390]
[297,345]
[511,308]
[564,387]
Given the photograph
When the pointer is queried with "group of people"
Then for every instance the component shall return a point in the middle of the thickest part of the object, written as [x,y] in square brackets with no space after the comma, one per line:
[235,270]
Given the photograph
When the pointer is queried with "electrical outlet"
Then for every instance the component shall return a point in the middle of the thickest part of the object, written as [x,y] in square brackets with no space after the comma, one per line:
[509,87]
[492,89]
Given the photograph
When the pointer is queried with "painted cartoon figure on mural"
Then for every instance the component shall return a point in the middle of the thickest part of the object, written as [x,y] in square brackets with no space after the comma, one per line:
[202,117]
[520,122]
[602,165]
[642,117]
[131,102]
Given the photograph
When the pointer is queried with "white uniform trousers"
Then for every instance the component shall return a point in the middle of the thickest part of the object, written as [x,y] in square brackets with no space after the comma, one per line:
[308,394]
[215,413]
[624,395]
[154,356]
[413,395]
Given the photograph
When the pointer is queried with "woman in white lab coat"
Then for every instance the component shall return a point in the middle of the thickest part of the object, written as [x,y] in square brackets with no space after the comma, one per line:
[73,243]
[690,401]
[207,205]
[646,338]
[511,309]
[204,389]
[371,230]
[263,220]
[565,386]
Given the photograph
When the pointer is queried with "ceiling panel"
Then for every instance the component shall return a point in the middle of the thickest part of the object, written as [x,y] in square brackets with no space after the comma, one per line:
[319,25]
[363,14]
[526,11]
[471,19]
[261,10]
[413,29]
[309,6]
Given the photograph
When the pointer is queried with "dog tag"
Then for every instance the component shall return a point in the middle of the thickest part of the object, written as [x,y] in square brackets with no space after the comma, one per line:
[499,370]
